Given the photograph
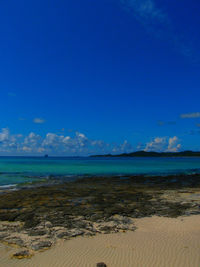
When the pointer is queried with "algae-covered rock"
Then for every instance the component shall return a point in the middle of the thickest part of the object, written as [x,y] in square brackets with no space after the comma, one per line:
[36,217]
[15,240]
[22,254]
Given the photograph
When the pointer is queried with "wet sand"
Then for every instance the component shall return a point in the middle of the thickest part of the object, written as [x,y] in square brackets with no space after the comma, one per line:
[157,242]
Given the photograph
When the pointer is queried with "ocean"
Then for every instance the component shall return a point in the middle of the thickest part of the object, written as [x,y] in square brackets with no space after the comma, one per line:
[15,171]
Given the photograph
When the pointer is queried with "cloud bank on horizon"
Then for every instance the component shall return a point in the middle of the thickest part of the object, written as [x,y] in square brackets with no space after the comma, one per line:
[79,144]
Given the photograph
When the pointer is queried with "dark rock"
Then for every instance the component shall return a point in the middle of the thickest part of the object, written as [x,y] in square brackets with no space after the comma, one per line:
[62,234]
[48,224]
[75,232]
[101,264]
[8,216]
[3,235]
[41,244]
[37,232]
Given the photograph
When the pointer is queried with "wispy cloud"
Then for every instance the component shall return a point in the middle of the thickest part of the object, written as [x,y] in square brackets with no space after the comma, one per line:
[146,11]
[39,120]
[190,115]
[158,23]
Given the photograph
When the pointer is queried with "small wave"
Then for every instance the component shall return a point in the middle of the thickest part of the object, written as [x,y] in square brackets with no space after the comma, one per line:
[8,186]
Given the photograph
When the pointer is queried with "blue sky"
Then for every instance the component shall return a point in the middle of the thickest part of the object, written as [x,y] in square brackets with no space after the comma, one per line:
[83,77]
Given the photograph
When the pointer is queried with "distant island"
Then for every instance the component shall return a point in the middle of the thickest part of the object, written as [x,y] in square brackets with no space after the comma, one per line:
[142,153]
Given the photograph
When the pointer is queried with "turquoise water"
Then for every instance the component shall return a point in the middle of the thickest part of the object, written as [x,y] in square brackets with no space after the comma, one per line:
[18,170]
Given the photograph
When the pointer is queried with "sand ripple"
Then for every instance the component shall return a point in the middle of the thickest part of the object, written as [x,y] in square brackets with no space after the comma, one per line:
[157,242]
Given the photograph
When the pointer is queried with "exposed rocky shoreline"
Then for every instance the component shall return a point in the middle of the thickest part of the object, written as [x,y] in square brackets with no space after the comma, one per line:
[35,218]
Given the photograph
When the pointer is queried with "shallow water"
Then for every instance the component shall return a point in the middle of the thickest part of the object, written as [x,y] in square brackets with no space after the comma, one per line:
[18,170]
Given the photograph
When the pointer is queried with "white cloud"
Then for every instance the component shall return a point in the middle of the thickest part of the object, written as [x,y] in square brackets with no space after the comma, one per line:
[39,120]
[156,145]
[173,145]
[26,149]
[32,143]
[8,142]
[4,135]
[32,138]
[163,144]
[190,115]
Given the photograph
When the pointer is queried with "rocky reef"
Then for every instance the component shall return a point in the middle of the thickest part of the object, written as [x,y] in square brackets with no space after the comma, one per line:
[35,218]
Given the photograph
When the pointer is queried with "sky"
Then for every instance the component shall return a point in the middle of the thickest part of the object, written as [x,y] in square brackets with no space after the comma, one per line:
[92,77]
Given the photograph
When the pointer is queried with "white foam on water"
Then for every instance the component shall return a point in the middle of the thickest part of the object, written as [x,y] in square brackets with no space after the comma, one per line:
[7,186]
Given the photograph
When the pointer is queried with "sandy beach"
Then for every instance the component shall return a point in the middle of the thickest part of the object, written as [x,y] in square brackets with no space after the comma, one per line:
[158,241]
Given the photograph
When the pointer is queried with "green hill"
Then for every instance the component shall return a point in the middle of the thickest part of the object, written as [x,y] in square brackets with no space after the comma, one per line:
[142,153]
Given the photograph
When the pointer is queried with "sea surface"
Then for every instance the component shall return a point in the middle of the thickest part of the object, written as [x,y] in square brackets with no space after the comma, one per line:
[15,171]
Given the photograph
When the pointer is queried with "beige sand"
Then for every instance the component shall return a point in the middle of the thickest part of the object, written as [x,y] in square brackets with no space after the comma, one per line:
[157,242]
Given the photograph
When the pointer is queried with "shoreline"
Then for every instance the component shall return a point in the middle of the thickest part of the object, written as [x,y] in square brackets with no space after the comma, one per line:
[37,218]
[56,179]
